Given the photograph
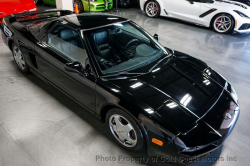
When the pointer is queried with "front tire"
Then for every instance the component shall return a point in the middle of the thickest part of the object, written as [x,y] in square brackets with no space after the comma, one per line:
[125,130]
[19,59]
[79,4]
[223,23]
[152,9]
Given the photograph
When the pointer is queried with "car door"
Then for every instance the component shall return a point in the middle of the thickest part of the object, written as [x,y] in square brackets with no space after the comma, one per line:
[183,9]
[63,45]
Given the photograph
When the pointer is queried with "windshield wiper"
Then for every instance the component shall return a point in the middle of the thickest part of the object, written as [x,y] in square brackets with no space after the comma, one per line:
[160,62]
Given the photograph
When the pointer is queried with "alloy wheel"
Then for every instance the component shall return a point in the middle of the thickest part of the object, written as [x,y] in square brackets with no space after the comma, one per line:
[222,24]
[19,58]
[151,9]
[123,130]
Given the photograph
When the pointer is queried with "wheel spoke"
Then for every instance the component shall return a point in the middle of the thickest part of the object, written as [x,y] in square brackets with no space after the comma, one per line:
[114,127]
[131,141]
[128,127]
[224,28]
[122,139]
[219,27]
[17,58]
[117,120]
[22,62]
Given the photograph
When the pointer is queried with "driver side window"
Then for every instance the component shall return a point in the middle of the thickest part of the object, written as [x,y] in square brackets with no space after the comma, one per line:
[68,41]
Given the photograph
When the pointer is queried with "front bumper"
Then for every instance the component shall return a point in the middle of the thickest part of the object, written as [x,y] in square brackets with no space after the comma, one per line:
[142,3]
[242,25]
[99,6]
[172,153]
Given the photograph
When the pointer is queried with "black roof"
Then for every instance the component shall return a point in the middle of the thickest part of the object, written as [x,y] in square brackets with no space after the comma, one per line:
[89,21]
[40,21]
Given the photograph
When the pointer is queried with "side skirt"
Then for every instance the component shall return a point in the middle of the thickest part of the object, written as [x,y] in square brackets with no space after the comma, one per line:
[167,15]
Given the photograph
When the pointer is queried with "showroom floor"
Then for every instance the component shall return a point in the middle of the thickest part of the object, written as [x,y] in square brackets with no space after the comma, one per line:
[40,126]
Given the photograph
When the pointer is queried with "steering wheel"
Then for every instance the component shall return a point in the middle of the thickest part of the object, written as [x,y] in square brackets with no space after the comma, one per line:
[130,43]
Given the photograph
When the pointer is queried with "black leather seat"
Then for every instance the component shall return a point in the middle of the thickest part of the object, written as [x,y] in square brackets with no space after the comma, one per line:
[69,42]
[104,48]
[68,35]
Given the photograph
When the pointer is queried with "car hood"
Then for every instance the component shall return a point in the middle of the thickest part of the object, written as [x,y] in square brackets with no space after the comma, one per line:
[182,91]
[233,5]
[246,2]
[16,6]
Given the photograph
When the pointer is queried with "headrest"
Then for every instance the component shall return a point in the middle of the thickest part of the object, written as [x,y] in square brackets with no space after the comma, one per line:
[67,34]
[100,37]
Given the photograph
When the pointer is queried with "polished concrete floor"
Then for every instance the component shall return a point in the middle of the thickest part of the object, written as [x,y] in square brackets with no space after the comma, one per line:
[40,126]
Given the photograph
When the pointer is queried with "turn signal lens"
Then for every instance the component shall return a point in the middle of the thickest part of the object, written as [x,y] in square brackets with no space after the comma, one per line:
[156,141]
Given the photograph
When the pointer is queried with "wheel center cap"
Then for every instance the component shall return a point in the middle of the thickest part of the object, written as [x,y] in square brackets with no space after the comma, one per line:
[121,131]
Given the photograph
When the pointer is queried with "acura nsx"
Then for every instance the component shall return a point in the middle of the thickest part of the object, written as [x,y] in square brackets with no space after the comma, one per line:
[148,96]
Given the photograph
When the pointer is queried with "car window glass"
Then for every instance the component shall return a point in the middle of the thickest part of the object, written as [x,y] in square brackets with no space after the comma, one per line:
[123,47]
[68,42]
[131,29]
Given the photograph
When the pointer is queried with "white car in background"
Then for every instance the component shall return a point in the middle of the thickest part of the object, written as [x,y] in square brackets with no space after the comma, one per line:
[224,16]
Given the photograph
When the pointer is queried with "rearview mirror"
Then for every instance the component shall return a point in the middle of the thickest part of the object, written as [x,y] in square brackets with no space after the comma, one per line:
[156,36]
[73,67]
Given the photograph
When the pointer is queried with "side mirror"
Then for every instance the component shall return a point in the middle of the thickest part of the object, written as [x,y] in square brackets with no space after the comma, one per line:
[73,67]
[191,1]
[156,36]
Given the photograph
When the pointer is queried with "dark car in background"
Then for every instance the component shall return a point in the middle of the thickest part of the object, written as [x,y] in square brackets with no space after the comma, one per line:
[148,95]
[126,3]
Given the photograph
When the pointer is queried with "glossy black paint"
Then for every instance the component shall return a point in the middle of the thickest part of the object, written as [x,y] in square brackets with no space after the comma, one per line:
[190,129]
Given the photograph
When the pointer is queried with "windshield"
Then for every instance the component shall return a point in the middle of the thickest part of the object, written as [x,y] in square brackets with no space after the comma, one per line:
[122,47]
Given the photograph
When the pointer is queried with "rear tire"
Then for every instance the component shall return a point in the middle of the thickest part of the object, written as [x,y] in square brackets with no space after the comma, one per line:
[223,23]
[80,5]
[19,59]
[125,130]
[152,9]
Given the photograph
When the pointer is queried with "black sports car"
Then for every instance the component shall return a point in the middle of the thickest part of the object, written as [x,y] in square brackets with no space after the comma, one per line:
[148,95]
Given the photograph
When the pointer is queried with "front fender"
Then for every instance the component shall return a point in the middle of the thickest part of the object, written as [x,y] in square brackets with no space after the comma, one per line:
[155,131]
